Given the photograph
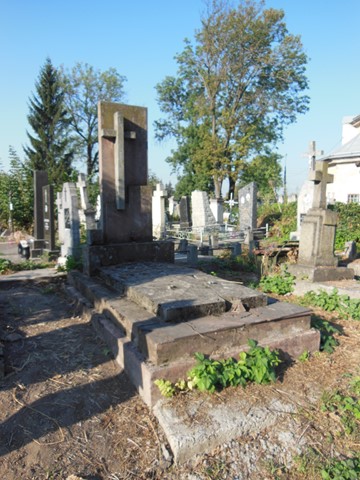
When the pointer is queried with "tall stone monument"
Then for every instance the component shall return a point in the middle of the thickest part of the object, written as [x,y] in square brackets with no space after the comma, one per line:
[185,216]
[316,260]
[125,233]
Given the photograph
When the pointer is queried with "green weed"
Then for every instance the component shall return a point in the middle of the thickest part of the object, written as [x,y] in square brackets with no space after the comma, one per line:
[343,305]
[281,283]
[256,365]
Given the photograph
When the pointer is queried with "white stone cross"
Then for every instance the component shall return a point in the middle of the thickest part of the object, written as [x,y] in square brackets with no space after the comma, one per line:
[231,202]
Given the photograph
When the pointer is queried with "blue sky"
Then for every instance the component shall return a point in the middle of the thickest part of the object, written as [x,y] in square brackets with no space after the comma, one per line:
[140,40]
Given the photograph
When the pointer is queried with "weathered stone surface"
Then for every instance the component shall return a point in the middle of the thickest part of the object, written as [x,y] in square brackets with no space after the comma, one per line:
[321,274]
[179,293]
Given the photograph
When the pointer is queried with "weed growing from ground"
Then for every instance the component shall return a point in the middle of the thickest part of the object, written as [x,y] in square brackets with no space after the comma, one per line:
[256,365]
[280,283]
[343,305]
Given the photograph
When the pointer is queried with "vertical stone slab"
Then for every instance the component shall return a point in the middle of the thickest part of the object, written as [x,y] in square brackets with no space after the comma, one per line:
[48,212]
[185,217]
[125,195]
[69,221]
[248,207]
[158,211]
[202,215]
[40,180]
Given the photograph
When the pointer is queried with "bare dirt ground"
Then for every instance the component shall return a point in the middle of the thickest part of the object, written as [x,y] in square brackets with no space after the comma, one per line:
[66,408]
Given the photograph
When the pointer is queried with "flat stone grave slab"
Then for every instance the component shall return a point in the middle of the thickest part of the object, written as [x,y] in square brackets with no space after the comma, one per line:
[179,293]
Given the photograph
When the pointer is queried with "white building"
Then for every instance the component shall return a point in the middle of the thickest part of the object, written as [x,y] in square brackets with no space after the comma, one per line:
[344,164]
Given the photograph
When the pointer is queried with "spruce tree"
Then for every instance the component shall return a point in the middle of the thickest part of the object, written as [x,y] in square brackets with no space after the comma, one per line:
[50,146]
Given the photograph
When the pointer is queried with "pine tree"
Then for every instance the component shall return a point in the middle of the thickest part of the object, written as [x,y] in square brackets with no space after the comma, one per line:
[50,146]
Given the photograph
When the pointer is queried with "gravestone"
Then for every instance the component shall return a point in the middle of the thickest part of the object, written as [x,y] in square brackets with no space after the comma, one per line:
[316,259]
[184,210]
[158,212]
[86,207]
[248,208]
[49,217]
[125,232]
[37,244]
[202,215]
[304,203]
[69,222]
[217,208]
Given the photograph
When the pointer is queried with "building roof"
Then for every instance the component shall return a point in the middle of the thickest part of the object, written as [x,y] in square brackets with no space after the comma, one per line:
[349,151]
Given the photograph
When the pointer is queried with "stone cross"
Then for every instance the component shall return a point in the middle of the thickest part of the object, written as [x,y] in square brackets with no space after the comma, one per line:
[119,134]
[319,175]
[312,153]
[87,208]
[231,202]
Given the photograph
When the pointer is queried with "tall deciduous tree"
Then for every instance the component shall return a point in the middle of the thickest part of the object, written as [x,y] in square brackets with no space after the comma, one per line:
[85,87]
[16,194]
[50,146]
[238,84]
[265,171]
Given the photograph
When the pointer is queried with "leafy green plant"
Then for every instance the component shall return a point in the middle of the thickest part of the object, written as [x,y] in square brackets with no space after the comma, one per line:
[73,263]
[343,305]
[166,388]
[346,405]
[348,469]
[281,283]
[304,357]
[256,365]
[327,340]
[5,265]
[348,227]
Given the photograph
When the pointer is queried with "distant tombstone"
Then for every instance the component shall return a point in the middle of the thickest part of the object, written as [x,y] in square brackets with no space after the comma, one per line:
[86,207]
[158,211]
[202,215]
[69,221]
[248,207]
[185,218]
[40,180]
[304,203]
[48,212]
[217,208]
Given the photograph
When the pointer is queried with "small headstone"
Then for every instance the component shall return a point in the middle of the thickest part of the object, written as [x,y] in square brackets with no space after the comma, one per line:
[202,215]
[86,207]
[158,212]
[48,213]
[217,208]
[69,221]
[185,218]
[248,207]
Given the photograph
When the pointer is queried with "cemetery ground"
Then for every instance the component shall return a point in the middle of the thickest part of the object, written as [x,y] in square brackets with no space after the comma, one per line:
[67,409]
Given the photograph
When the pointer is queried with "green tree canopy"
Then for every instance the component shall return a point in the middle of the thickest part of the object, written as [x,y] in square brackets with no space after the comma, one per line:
[50,147]
[16,189]
[265,171]
[238,84]
[85,87]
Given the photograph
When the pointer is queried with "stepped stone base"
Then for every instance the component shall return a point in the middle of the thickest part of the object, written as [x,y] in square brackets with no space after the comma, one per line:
[155,316]
[321,274]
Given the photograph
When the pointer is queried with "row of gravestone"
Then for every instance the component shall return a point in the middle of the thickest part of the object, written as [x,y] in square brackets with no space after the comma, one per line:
[204,213]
